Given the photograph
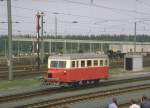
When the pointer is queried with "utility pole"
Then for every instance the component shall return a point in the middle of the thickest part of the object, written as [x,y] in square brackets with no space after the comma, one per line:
[90,47]
[92,1]
[5,47]
[9,38]
[102,47]
[18,49]
[55,32]
[55,26]
[38,42]
[134,36]
[42,42]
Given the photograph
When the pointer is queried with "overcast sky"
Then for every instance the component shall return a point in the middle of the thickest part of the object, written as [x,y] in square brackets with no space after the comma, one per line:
[92,16]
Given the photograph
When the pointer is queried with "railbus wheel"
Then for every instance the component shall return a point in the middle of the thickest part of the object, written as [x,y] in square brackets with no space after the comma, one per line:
[90,82]
[84,82]
[96,81]
[74,84]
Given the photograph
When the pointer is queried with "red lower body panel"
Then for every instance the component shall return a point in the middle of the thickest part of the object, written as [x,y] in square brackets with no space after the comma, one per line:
[77,74]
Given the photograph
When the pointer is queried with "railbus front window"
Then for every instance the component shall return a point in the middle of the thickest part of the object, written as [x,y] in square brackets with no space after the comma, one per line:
[58,64]
[53,63]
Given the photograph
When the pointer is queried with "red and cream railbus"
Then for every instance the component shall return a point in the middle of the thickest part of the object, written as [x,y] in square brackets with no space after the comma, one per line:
[77,68]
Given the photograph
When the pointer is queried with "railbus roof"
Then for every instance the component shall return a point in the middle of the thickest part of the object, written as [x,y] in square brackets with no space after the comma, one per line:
[75,56]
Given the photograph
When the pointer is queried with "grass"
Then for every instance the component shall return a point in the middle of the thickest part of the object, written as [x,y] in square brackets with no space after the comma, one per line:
[17,83]
[146,69]
[115,71]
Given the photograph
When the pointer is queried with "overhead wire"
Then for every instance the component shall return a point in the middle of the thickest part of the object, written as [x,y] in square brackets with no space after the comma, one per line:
[81,3]
[146,4]
[109,8]
[17,30]
[52,12]
[95,5]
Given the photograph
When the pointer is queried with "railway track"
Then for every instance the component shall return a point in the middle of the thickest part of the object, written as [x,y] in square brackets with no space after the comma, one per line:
[45,92]
[22,67]
[84,97]
[126,104]
[22,71]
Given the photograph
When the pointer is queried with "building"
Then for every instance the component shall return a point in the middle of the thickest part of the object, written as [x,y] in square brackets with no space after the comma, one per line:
[129,48]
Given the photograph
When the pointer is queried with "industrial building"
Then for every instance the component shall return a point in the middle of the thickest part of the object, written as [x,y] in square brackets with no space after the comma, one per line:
[129,48]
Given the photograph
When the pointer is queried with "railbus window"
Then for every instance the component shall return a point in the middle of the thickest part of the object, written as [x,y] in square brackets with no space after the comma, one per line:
[58,64]
[89,63]
[82,63]
[62,64]
[73,63]
[106,62]
[53,63]
[101,62]
[95,62]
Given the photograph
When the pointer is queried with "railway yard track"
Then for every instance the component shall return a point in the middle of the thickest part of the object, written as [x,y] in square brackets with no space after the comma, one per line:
[28,71]
[85,97]
[22,71]
[72,99]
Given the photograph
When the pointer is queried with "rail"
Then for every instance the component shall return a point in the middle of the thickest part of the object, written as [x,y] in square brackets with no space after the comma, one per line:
[44,92]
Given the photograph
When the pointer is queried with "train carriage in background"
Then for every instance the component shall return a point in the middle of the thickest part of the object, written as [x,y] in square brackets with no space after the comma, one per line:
[75,69]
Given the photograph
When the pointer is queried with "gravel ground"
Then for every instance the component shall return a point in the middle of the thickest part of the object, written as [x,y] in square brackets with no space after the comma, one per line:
[60,95]
[90,104]
[39,86]
[102,103]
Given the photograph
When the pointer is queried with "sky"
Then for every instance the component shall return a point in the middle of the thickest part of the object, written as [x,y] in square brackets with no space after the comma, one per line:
[91,16]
